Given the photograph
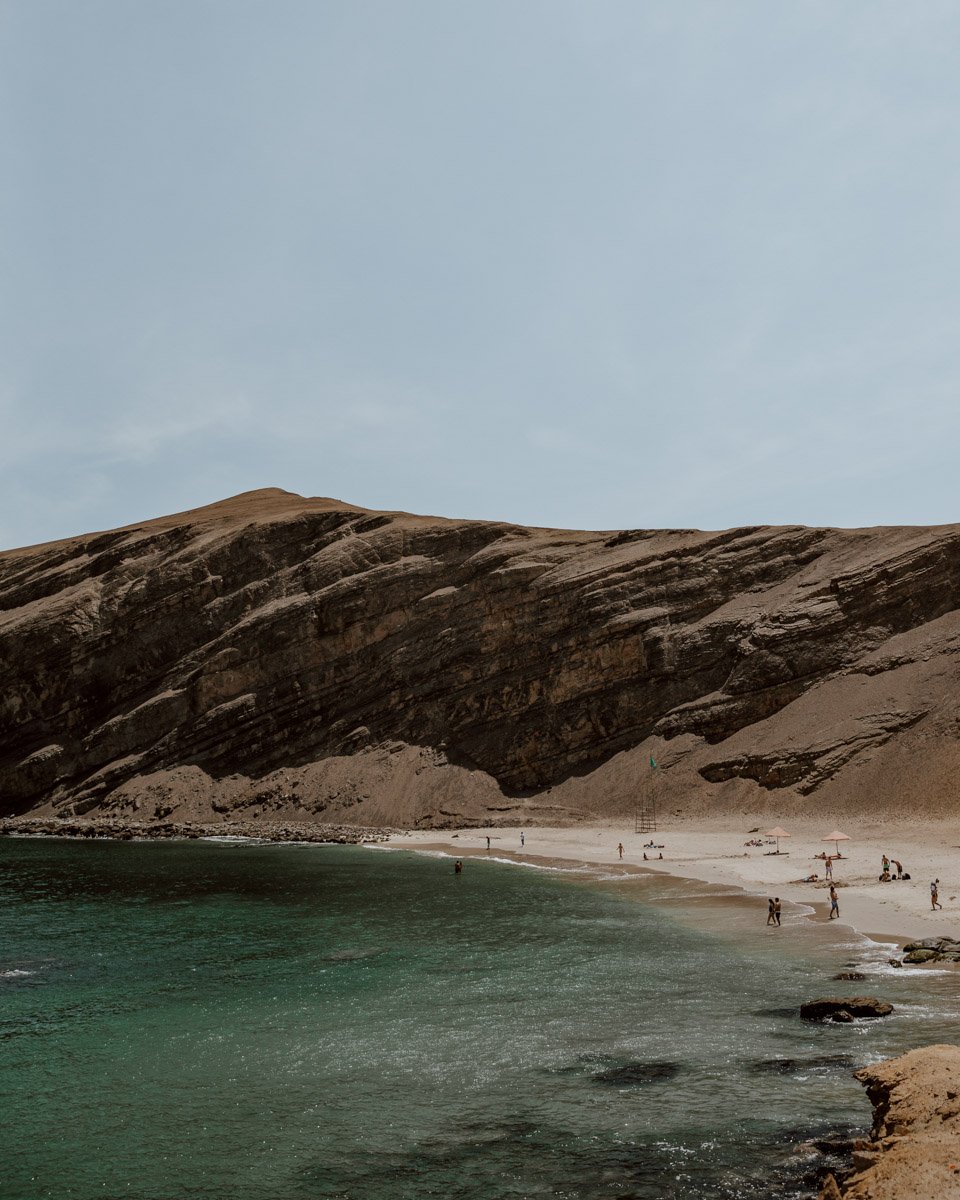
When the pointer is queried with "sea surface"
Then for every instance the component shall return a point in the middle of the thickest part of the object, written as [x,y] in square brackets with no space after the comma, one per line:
[235,1021]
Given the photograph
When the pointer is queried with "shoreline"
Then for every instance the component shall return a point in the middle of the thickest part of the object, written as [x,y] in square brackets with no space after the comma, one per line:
[898,911]
[109,829]
[709,850]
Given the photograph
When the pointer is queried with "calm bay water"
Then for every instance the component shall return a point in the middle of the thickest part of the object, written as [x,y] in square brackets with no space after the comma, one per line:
[212,1020]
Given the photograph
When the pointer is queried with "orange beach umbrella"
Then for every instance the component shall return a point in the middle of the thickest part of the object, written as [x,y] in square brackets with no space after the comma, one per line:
[837,837]
[778,833]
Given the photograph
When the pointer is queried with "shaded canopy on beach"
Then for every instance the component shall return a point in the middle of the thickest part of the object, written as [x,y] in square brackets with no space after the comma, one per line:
[837,837]
[777,832]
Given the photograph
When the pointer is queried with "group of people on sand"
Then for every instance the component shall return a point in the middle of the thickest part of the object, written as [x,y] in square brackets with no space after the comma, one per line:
[774,907]
[651,845]
[886,875]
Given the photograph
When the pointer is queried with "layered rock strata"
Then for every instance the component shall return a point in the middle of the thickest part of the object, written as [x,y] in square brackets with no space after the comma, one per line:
[914,1147]
[279,655]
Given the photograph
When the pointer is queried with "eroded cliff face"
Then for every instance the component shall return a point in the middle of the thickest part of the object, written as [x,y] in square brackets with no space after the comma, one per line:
[275,652]
[914,1144]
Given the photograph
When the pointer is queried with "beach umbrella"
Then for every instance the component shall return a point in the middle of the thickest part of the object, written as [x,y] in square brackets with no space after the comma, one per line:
[777,833]
[836,837]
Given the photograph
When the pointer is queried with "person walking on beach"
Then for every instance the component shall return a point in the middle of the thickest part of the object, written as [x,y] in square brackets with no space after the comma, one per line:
[488,841]
[834,903]
[776,910]
[523,839]
[935,895]
[620,849]
[771,913]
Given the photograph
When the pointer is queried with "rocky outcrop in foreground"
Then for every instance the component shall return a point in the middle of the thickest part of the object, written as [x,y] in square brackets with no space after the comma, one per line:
[275,657]
[914,1148]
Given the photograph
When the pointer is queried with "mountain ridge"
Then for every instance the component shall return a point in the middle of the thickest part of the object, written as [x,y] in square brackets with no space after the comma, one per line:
[272,653]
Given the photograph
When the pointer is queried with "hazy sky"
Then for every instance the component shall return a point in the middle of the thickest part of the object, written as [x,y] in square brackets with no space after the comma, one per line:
[591,264]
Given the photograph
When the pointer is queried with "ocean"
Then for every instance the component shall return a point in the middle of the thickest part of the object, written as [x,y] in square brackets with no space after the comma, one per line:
[230,1020]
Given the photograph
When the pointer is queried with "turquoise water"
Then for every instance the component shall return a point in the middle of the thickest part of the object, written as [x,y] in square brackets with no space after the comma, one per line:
[212,1020]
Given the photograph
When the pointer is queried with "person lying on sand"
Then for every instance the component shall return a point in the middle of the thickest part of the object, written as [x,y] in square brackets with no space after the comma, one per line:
[808,879]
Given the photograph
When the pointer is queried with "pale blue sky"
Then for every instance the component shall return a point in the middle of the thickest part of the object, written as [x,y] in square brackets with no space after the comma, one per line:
[592,264]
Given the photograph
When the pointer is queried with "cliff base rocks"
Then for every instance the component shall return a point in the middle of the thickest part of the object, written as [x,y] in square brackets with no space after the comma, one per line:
[914,1147]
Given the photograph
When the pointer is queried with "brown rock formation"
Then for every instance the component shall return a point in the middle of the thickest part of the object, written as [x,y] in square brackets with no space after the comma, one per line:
[831,1007]
[279,654]
[914,1149]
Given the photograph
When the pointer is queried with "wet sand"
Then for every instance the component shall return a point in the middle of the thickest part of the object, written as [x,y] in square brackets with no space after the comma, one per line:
[714,852]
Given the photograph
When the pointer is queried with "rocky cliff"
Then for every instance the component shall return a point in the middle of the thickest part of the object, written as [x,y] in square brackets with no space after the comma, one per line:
[279,653]
[914,1148]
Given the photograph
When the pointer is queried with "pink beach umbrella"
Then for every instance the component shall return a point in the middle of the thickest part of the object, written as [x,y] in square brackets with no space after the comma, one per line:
[777,833]
[836,837]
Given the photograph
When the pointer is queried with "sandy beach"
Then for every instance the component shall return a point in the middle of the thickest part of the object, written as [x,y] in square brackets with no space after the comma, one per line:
[714,851]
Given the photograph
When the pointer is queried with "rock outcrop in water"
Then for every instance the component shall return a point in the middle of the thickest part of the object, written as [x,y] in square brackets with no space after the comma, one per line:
[933,949]
[914,1149]
[279,655]
[845,1008]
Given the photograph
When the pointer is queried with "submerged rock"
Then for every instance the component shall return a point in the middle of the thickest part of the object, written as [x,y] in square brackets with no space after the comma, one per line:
[851,976]
[633,1073]
[844,1008]
[795,1066]
[353,954]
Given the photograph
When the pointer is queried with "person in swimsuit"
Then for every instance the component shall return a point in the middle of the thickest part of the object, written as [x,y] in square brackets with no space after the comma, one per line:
[620,849]
[834,903]
[935,895]
[771,915]
[776,909]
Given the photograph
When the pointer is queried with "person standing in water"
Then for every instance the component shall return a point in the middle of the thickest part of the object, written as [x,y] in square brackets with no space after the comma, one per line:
[458,867]
[834,903]
[620,849]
